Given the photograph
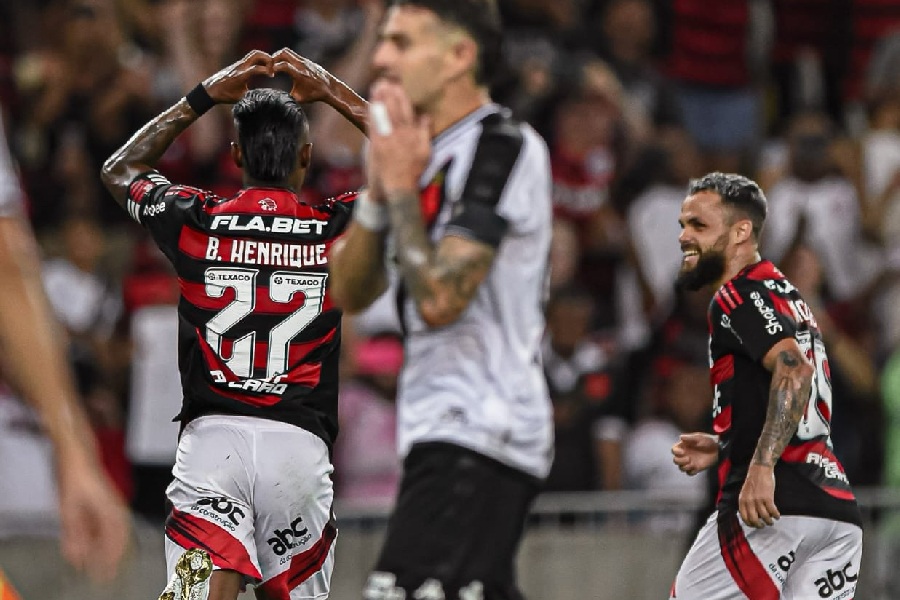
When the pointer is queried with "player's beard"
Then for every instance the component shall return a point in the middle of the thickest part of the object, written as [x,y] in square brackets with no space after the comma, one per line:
[710,268]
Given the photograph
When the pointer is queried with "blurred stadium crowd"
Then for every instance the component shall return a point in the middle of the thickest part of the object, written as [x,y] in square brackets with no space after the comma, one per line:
[634,97]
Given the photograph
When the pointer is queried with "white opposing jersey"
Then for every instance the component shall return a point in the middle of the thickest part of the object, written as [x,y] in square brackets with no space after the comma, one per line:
[478,382]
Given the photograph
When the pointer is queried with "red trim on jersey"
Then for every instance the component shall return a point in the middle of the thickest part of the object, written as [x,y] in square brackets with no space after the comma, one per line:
[225,550]
[798,454]
[782,305]
[722,303]
[839,493]
[734,293]
[822,407]
[763,270]
[745,567]
[724,468]
[722,422]
[303,566]
[722,370]
[727,295]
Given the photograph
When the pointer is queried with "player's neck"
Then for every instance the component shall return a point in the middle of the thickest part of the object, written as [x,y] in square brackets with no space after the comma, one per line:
[738,263]
[454,104]
[250,182]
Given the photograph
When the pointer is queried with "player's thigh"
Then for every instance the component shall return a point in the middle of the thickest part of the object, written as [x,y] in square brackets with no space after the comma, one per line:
[211,496]
[729,560]
[455,529]
[293,496]
[831,569]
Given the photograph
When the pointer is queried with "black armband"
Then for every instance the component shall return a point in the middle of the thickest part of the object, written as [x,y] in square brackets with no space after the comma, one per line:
[199,100]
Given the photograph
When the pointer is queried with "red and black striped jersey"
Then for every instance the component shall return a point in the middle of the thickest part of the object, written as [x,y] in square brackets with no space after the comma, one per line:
[258,334]
[748,315]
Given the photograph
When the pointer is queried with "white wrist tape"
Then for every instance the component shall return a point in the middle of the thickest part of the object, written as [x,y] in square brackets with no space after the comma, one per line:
[369,214]
[380,118]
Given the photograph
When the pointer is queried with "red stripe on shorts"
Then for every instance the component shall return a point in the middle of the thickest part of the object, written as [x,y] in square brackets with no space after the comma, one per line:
[303,566]
[224,549]
[748,573]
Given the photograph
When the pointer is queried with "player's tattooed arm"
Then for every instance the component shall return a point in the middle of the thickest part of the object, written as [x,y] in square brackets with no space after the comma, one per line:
[144,149]
[788,397]
[442,279]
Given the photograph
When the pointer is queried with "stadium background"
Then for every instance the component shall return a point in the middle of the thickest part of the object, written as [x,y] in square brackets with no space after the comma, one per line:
[634,97]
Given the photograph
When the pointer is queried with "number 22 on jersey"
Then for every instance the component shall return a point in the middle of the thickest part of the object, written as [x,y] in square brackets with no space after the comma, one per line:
[283,286]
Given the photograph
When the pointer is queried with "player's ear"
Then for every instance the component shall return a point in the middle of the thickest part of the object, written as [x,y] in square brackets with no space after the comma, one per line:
[742,231]
[304,157]
[464,56]
[236,155]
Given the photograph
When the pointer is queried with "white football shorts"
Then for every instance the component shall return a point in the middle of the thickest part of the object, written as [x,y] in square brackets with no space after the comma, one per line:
[257,495]
[797,558]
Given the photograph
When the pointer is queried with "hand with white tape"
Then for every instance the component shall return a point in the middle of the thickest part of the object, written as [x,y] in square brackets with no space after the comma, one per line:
[399,141]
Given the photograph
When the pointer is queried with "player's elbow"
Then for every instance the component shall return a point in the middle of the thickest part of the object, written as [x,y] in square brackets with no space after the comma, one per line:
[354,298]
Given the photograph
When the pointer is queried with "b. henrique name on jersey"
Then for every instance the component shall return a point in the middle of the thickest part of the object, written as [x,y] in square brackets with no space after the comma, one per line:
[748,315]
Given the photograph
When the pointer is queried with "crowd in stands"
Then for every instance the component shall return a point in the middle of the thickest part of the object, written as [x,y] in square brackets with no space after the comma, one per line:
[634,98]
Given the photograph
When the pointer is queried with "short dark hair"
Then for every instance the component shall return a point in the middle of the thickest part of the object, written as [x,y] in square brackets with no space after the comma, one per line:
[271,129]
[737,192]
[480,19]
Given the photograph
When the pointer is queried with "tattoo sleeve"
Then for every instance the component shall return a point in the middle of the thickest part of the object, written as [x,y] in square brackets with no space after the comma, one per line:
[442,280]
[145,148]
[788,397]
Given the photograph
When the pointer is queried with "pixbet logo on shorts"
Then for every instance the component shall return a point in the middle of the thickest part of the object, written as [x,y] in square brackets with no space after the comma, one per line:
[831,585]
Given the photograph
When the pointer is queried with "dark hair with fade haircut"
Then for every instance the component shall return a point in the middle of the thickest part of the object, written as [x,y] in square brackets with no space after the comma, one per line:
[737,192]
[480,19]
[271,129]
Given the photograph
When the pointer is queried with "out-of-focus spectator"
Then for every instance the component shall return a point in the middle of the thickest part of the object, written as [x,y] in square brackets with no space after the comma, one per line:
[588,148]
[870,21]
[880,183]
[658,179]
[677,400]
[710,63]
[86,304]
[564,254]
[629,33]
[809,44]
[84,91]
[816,204]
[588,429]
[147,351]
[367,468]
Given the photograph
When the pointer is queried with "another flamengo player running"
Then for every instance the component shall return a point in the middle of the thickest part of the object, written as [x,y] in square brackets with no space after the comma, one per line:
[799,535]
[259,338]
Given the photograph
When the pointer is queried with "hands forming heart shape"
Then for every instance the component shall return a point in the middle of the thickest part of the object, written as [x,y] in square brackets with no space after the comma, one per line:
[310,81]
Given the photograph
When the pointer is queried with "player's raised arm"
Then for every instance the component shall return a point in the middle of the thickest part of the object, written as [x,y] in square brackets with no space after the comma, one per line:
[312,83]
[443,277]
[144,149]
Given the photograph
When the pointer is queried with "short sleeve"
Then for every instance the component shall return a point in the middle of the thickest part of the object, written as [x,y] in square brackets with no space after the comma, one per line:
[162,207]
[758,317]
[493,171]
